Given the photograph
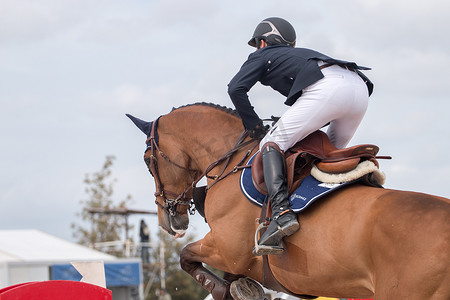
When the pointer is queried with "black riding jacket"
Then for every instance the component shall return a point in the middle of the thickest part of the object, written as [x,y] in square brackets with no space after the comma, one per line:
[287,70]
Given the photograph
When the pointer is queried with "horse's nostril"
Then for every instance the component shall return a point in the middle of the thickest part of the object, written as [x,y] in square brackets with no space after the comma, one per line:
[179,222]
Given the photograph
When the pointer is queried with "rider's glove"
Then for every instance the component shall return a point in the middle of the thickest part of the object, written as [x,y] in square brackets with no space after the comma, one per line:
[259,131]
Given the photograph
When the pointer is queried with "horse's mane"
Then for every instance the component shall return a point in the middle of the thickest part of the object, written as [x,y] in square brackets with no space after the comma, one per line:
[212,105]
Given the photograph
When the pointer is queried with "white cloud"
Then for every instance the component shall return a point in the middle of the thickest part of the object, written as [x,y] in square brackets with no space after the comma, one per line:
[24,21]
[70,70]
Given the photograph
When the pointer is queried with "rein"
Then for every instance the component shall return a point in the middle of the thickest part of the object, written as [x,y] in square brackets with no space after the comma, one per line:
[170,204]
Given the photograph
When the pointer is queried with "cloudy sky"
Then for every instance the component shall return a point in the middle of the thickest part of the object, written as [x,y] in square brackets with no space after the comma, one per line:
[71,69]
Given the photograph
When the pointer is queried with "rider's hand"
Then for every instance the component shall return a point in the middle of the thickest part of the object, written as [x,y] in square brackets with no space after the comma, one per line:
[259,131]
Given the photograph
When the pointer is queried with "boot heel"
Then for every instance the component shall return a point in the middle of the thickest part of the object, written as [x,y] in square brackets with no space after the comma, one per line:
[289,223]
[291,228]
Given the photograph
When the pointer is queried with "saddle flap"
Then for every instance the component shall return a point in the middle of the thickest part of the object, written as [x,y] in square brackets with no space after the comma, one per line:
[258,174]
[298,166]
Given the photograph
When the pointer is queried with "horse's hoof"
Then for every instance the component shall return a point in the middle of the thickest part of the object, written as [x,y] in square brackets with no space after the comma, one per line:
[246,289]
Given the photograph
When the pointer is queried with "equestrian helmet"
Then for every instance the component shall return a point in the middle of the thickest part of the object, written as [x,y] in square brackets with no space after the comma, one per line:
[274,31]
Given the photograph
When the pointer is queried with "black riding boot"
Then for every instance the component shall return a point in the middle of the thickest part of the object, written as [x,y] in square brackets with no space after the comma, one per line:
[284,221]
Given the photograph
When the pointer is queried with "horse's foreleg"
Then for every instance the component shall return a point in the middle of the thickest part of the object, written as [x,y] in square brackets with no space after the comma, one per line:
[191,258]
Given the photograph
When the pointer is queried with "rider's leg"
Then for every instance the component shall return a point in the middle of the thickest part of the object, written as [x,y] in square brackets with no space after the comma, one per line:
[344,126]
[284,221]
[340,98]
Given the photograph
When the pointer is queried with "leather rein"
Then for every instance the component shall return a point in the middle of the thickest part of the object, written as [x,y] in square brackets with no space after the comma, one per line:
[173,199]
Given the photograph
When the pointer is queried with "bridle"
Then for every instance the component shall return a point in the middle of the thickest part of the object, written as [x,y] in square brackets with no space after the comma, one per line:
[171,200]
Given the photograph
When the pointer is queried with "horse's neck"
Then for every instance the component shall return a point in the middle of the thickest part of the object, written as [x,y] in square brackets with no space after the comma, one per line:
[203,137]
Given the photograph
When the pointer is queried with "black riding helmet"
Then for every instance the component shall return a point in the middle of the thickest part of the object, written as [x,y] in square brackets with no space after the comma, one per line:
[274,31]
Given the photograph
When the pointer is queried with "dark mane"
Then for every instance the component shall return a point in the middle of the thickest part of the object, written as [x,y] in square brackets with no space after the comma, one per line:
[216,106]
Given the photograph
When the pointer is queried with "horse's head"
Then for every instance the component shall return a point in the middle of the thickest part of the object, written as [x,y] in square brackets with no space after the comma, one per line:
[173,175]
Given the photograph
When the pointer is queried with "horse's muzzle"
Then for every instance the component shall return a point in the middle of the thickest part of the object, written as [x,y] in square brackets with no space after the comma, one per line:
[179,224]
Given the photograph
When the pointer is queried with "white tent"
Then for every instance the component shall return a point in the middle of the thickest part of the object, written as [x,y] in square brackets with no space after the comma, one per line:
[31,255]
[25,255]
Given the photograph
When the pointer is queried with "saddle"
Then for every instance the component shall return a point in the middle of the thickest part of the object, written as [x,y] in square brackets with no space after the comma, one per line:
[316,149]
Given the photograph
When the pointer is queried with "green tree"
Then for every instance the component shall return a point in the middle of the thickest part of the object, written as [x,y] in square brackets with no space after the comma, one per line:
[100,227]
[110,227]
[179,284]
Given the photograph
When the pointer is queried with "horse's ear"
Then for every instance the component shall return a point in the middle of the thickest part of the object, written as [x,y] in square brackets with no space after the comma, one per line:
[144,126]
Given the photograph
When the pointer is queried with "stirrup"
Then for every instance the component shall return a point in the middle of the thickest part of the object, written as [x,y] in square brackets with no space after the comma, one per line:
[259,250]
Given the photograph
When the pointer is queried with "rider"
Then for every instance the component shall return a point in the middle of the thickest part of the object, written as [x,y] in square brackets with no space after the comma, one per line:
[319,90]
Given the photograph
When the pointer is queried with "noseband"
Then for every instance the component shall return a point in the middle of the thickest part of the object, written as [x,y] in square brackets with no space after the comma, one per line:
[170,204]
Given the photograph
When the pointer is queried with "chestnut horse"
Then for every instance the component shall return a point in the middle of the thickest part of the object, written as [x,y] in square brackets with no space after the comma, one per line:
[358,242]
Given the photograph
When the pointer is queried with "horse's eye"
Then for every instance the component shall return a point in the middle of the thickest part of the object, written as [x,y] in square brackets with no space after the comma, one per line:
[148,161]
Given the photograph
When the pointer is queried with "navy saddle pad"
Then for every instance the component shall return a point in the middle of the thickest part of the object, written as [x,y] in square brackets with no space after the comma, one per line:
[309,190]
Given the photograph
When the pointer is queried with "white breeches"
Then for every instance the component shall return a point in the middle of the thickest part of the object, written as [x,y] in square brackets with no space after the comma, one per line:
[341,98]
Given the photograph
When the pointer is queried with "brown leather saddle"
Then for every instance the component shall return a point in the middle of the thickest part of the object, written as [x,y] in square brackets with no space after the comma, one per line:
[316,149]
